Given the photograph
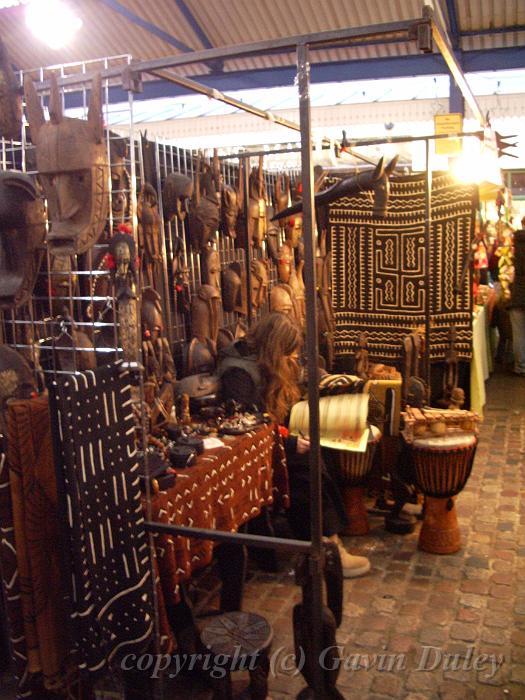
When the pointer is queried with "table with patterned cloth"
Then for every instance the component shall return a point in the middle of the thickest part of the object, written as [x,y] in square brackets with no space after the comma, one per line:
[223,490]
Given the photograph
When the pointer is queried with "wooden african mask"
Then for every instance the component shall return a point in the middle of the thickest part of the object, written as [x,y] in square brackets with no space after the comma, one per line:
[231,289]
[204,215]
[205,313]
[229,211]
[22,232]
[294,230]
[176,195]
[282,192]
[258,283]
[10,99]
[73,167]
[257,206]
[211,268]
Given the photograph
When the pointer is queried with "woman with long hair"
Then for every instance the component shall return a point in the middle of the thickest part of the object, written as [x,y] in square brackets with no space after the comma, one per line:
[262,372]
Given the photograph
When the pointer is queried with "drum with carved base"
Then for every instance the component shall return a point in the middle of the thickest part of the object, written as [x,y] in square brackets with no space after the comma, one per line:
[354,469]
[442,467]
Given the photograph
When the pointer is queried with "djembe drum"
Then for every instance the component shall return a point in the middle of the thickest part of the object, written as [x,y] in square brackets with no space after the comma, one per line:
[442,467]
[354,469]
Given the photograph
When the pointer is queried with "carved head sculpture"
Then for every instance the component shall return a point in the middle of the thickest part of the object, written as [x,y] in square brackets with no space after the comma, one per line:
[16,380]
[22,232]
[258,282]
[10,99]
[151,314]
[176,195]
[284,263]
[294,229]
[273,234]
[281,299]
[229,211]
[204,221]
[212,268]
[205,211]
[73,167]
[205,312]
[231,289]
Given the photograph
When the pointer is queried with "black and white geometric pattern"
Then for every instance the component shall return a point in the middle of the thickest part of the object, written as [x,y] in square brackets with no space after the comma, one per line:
[110,576]
[379,267]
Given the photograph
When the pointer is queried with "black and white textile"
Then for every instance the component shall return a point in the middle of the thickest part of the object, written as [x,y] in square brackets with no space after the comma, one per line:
[382,269]
[95,453]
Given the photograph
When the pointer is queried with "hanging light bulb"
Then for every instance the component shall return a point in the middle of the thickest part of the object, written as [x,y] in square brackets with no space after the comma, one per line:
[52,21]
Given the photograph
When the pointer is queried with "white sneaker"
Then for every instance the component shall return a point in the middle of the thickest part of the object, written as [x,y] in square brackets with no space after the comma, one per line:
[352,564]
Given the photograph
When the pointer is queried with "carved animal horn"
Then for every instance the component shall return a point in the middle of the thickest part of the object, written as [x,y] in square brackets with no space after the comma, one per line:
[95,109]
[35,113]
[55,102]
[389,169]
[379,171]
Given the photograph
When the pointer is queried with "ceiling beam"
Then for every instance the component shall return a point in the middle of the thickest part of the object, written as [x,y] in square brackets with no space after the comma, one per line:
[453,23]
[148,26]
[442,41]
[217,65]
[494,30]
[194,24]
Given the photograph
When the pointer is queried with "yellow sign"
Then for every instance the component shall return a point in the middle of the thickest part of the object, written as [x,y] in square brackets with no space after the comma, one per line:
[448,124]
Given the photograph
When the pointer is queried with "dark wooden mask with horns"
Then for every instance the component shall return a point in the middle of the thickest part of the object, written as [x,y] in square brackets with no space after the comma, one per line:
[73,166]
[22,232]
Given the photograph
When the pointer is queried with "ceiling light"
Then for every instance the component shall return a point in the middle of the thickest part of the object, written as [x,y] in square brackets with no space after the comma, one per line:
[52,21]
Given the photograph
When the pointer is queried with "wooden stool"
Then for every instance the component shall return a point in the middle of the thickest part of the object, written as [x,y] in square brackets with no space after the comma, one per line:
[239,641]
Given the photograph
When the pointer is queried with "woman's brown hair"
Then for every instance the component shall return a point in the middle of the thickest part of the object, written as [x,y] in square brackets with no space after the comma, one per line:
[274,339]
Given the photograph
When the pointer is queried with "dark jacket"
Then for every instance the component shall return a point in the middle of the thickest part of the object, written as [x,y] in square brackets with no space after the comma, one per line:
[517,289]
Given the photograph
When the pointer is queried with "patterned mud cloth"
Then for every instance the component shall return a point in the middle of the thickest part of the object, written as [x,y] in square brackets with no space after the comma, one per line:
[379,282]
[111,602]
[225,488]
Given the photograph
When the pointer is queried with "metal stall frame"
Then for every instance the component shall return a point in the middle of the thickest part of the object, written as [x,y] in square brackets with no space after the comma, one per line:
[418,29]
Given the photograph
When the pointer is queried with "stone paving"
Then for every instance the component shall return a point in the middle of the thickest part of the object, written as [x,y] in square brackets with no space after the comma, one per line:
[422,626]
[434,627]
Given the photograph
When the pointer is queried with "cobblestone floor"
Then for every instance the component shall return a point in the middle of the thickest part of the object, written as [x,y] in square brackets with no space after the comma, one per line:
[429,627]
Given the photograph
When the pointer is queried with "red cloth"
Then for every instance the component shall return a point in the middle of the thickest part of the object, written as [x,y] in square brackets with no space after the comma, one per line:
[225,488]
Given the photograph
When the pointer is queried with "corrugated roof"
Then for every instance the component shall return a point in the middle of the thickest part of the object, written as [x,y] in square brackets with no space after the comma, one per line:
[106,32]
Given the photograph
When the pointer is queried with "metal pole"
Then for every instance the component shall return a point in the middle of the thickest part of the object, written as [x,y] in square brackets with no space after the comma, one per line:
[429,286]
[247,242]
[312,350]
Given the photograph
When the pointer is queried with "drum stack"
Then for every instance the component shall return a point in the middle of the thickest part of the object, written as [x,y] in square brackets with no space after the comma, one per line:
[442,447]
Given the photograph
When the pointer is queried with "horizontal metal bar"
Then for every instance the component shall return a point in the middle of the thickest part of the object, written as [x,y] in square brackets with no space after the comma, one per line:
[214,94]
[278,45]
[329,72]
[409,139]
[276,543]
